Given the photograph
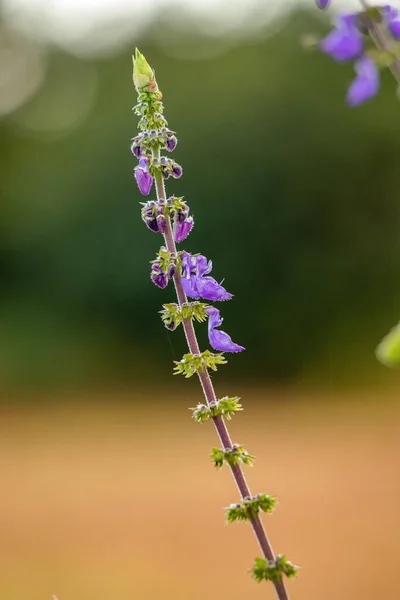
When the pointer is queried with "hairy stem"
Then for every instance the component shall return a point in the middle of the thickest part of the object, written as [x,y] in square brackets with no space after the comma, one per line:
[380,40]
[210,396]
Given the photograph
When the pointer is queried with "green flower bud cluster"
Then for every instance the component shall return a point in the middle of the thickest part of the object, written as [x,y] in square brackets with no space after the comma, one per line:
[150,110]
[225,408]
[250,507]
[165,259]
[232,456]
[264,570]
[172,315]
[195,363]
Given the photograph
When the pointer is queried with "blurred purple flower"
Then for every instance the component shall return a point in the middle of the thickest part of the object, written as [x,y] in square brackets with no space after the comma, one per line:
[219,340]
[136,149]
[323,3]
[366,84]
[392,19]
[182,229]
[195,284]
[345,41]
[143,177]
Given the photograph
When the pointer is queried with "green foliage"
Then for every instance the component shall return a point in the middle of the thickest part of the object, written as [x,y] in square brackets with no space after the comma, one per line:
[193,363]
[226,408]
[264,570]
[250,507]
[232,456]
[388,351]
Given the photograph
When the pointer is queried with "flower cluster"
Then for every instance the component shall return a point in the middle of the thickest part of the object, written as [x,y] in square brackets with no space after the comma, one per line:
[250,507]
[272,570]
[347,42]
[232,456]
[163,268]
[156,212]
[225,407]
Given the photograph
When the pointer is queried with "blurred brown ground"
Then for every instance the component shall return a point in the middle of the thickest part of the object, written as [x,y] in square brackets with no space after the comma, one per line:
[104,501]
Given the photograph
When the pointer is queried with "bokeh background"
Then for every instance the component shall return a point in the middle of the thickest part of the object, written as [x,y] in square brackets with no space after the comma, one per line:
[106,488]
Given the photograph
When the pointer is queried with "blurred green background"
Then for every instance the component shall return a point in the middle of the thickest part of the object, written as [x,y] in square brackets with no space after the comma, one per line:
[296,199]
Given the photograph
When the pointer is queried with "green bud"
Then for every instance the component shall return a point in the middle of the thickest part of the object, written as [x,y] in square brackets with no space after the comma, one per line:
[388,351]
[142,72]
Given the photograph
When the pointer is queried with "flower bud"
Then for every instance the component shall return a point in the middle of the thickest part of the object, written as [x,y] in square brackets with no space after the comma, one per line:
[182,230]
[162,223]
[171,142]
[171,271]
[171,326]
[136,148]
[158,277]
[142,72]
[176,171]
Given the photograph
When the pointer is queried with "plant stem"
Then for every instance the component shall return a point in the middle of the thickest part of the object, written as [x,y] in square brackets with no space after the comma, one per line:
[210,396]
[378,36]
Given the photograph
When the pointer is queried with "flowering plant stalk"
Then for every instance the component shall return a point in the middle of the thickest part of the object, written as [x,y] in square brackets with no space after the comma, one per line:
[191,277]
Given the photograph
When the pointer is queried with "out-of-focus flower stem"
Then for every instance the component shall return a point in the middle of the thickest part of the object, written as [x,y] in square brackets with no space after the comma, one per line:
[381,42]
[210,396]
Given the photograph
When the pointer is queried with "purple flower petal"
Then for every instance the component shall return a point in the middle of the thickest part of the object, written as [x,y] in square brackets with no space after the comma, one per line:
[345,41]
[182,230]
[143,177]
[210,289]
[195,284]
[366,84]
[220,340]
[189,285]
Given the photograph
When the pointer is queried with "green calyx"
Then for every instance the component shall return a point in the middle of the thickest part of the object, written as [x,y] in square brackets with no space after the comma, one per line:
[226,408]
[195,363]
[268,570]
[232,456]
[165,259]
[172,314]
[250,507]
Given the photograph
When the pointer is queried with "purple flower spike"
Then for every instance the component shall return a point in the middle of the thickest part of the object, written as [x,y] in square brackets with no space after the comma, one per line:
[171,142]
[345,41]
[143,177]
[158,276]
[182,230]
[366,85]
[220,340]
[194,282]
[392,19]
[323,3]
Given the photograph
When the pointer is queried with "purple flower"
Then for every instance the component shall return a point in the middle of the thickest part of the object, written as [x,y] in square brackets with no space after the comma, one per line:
[182,229]
[323,3]
[195,284]
[219,340]
[150,219]
[143,177]
[158,276]
[345,41]
[171,141]
[392,19]
[366,83]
